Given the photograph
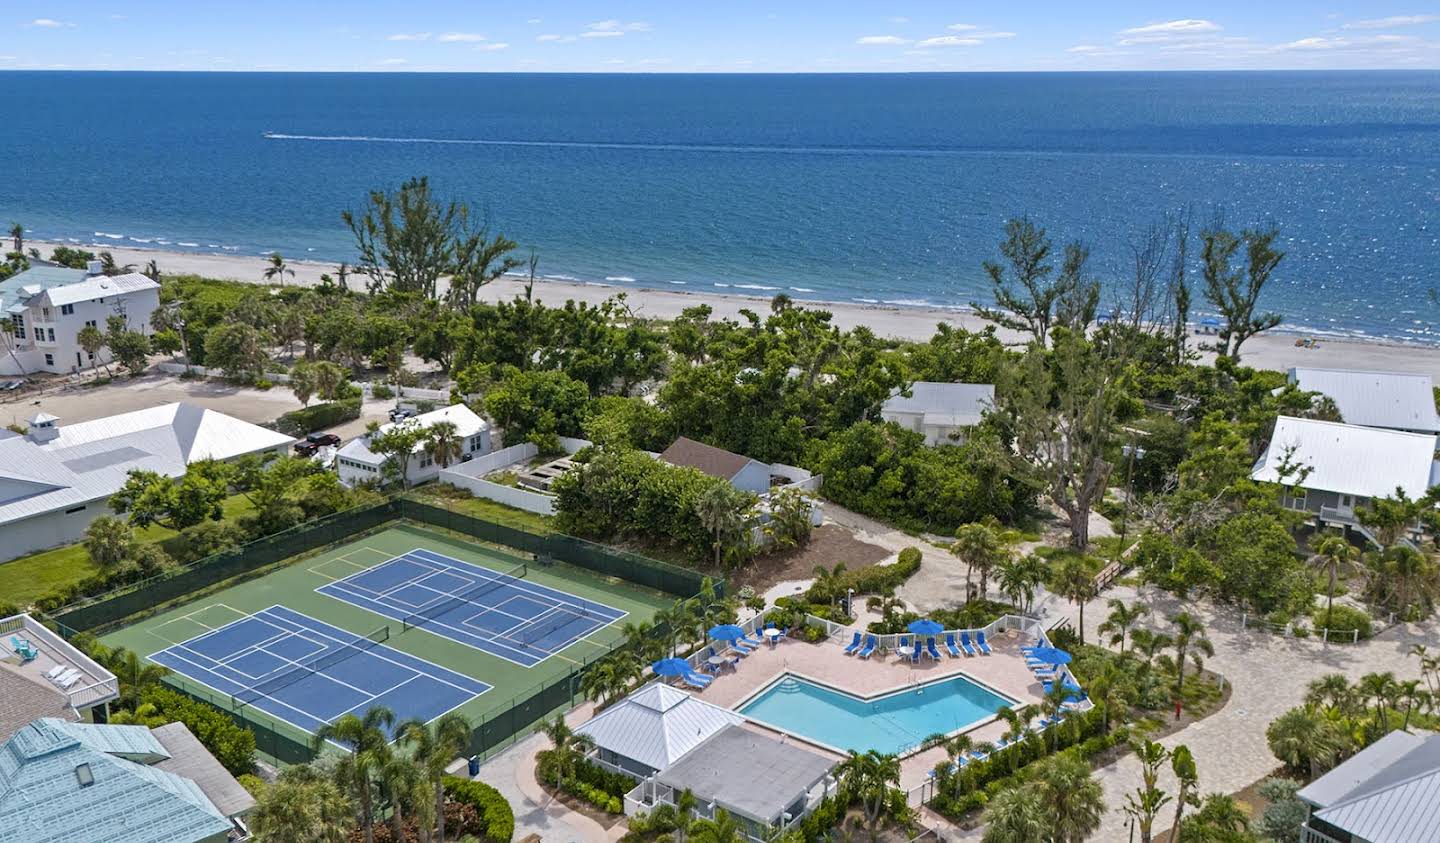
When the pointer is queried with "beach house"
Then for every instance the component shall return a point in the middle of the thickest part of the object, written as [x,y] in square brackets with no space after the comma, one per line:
[744,473]
[1330,470]
[1392,400]
[42,675]
[1385,793]
[357,464]
[57,478]
[48,306]
[943,412]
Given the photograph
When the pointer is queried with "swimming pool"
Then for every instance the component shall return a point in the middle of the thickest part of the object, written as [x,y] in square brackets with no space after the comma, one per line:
[892,723]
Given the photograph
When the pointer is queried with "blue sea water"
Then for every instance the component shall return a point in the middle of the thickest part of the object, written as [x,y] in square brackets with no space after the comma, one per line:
[875,188]
[889,724]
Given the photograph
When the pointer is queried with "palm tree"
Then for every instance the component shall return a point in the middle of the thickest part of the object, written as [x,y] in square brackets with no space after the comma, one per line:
[1150,643]
[978,547]
[1330,553]
[1332,690]
[829,583]
[366,737]
[1189,640]
[135,674]
[152,271]
[722,829]
[278,269]
[640,641]
[17,237]
[1381,688]
[1020,576]
[1072,798]
[1016,815]
[1182,764]
[434,748]
[1305,740]
[1145,803]
[1075,583]
[302,807]
[443,443]
[1414,697]
[568,747]
[720,512]
[1121,620]
[399,778]
[1106,689]
[868,777]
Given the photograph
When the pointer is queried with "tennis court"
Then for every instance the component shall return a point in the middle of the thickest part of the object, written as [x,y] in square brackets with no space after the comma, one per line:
[498,612]
[308,673]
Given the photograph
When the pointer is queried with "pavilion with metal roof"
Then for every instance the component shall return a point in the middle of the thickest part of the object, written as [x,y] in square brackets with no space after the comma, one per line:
[654,727]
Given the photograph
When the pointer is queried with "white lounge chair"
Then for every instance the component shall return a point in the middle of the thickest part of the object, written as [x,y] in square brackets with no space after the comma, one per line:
[54,672]
[70,680]
[68,676]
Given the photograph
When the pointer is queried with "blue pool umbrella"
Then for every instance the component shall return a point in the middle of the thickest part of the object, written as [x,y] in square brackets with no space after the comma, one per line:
[671,667]
[1050,655]
[726,632]
[925,626]
[1210,322]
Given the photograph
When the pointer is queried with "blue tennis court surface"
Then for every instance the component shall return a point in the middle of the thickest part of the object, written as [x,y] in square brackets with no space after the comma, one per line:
[501,613]
[308,673]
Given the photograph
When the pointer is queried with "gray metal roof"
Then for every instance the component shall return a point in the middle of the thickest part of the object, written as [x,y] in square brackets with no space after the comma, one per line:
[191,760]
[1349,459]
[90,460]
[657,725]
[39,277]
[953,404]
[100,286]
[1396,400]
[748,773]
[42,796]
[1388,792]
[466,422]
[1360,768]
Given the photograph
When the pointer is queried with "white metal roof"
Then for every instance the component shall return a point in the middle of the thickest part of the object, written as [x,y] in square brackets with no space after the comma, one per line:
[657,724]
[954,404]
[1387,793]
[465,421]
[90,460]
[748,773]
[1396,400]
[1349,459]
[1361,768]
[98,287]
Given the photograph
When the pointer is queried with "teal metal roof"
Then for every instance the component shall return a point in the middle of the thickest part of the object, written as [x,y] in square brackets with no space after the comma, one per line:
[42,796]
[133,743]
[43,277]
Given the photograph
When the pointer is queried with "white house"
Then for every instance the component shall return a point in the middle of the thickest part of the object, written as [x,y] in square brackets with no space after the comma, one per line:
[943,412]
[356,463]
[49,305]
[1394,400]
[744,473]
[1345,466]
[55,479]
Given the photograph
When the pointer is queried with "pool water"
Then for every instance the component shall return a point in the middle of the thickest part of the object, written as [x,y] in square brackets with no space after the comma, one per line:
[892,723]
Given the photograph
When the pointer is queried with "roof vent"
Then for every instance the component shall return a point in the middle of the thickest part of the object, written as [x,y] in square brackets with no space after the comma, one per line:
[84,776]
[93,268]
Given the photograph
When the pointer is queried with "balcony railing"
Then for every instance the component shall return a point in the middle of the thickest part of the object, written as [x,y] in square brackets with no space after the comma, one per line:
[1310,835]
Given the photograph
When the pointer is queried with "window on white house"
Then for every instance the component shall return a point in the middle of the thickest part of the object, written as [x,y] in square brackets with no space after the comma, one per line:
[49,360]
[67,310]
[45,313]
[51,333]
[18,320]
[90,323]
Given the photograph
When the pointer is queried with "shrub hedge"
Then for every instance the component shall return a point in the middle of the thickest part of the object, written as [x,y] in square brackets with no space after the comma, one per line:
[318,417]
[496,815]
[232,746]
[1342,619]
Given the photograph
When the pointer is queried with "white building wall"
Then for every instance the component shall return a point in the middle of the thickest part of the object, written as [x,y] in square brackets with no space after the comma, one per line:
[754,477]
[50,529]
[51,339]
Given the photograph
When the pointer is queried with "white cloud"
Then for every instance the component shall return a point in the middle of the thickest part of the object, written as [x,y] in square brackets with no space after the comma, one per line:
[490,48]
[602,33]
[1381,43]
[467,37]
[394,61]
[1392,21]
[949,41]
[48,23]
[962,27]
[409,36]
[617,26]
[1187,26]
[1085,48]
[533,21]
[885,40]
[988,35]
[554,39]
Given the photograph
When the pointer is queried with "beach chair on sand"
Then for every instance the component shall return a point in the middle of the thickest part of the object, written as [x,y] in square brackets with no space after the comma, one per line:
[930,648]
[965,643]
[871,643]
[950,645]
[981,643]
[854,645]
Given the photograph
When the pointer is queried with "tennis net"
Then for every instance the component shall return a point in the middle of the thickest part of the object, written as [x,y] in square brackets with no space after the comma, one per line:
[472,594]
[309,666]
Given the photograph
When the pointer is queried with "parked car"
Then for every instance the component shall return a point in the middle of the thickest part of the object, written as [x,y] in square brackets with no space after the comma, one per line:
[320,440]
[306,448]
[400,414]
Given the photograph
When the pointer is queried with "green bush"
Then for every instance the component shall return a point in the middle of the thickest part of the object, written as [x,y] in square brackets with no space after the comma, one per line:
[381,392]
[253,784]
[318,417]
[232,746]
[263,384]
[495,813]
[1342,619]
[875,579]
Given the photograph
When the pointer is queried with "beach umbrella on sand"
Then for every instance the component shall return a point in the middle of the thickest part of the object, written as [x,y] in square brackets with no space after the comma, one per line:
[925,626]
[1050,655]
[671,667]
[726,632]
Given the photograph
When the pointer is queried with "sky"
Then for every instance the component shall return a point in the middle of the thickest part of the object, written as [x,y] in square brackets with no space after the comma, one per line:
[736,36]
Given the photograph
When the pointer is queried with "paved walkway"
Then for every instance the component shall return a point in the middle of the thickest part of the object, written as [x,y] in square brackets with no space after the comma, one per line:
[1268,674]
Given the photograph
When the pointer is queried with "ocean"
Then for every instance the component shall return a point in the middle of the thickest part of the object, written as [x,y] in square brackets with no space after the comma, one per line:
[870,188]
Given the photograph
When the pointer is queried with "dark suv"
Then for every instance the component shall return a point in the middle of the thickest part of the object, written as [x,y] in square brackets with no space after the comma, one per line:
[312,443]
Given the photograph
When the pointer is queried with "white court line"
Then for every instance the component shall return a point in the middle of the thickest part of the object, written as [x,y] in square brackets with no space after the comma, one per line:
[522,585]
[185,645]
[267,713]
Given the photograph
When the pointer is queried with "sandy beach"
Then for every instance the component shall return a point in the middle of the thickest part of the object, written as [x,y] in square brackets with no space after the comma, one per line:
[1274,350]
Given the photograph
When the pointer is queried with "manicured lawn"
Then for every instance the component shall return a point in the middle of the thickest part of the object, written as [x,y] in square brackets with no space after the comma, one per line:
[449,497]
[29,578]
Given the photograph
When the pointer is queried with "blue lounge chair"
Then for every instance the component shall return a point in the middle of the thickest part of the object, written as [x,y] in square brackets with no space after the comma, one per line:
[915,653]
[695,680]
[950,645]
[965,643]
[699,677]
[854,645]
[930,648]
[741,648]
[871,642]
[753,642]
[981,642]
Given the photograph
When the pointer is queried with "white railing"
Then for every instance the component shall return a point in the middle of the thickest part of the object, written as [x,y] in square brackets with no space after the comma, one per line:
[891,641]
[95,684]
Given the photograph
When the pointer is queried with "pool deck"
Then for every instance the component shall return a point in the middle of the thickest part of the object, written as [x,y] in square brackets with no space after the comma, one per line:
[1003,671]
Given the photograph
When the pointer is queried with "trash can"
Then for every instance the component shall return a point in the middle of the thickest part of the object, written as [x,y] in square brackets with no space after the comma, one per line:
[474,766]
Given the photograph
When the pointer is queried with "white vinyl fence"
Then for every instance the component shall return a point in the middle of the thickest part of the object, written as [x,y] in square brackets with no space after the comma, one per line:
[471,476]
